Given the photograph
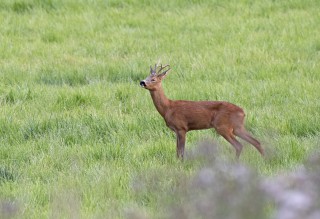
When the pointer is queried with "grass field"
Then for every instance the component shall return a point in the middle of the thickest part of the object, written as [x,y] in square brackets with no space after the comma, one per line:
[80,139]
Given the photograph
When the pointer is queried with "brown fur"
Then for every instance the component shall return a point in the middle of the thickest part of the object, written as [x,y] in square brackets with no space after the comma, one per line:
[182,116]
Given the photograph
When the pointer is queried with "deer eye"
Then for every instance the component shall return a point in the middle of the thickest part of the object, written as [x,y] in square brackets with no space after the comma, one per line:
[153,80]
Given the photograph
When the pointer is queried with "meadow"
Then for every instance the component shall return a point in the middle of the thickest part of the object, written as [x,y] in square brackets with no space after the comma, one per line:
[80,139]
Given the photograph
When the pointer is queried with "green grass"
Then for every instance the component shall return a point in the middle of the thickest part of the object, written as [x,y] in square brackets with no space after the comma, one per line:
[79,138]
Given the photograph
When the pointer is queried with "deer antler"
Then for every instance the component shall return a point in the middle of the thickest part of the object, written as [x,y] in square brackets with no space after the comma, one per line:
[162,68]
[153,71]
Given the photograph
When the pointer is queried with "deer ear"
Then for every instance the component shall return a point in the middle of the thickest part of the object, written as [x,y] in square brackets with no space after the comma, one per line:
[164,74]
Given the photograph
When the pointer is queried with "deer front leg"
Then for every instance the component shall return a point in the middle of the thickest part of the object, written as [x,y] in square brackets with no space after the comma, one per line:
[181,140]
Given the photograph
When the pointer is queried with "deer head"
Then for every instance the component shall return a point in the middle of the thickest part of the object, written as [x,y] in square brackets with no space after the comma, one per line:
[153,81]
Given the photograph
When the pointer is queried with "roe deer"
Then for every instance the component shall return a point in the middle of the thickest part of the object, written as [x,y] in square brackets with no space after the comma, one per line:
[182,116]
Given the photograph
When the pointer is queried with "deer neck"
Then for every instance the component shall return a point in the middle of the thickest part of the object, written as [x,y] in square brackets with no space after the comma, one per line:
[160,100]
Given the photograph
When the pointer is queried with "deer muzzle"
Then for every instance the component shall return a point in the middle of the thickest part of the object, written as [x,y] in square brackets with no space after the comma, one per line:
[142,83]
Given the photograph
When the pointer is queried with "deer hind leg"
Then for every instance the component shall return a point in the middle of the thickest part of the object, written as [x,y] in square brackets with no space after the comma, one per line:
[245,135]
[228,135]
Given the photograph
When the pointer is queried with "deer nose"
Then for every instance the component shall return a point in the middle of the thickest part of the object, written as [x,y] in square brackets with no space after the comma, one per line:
[142,83]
